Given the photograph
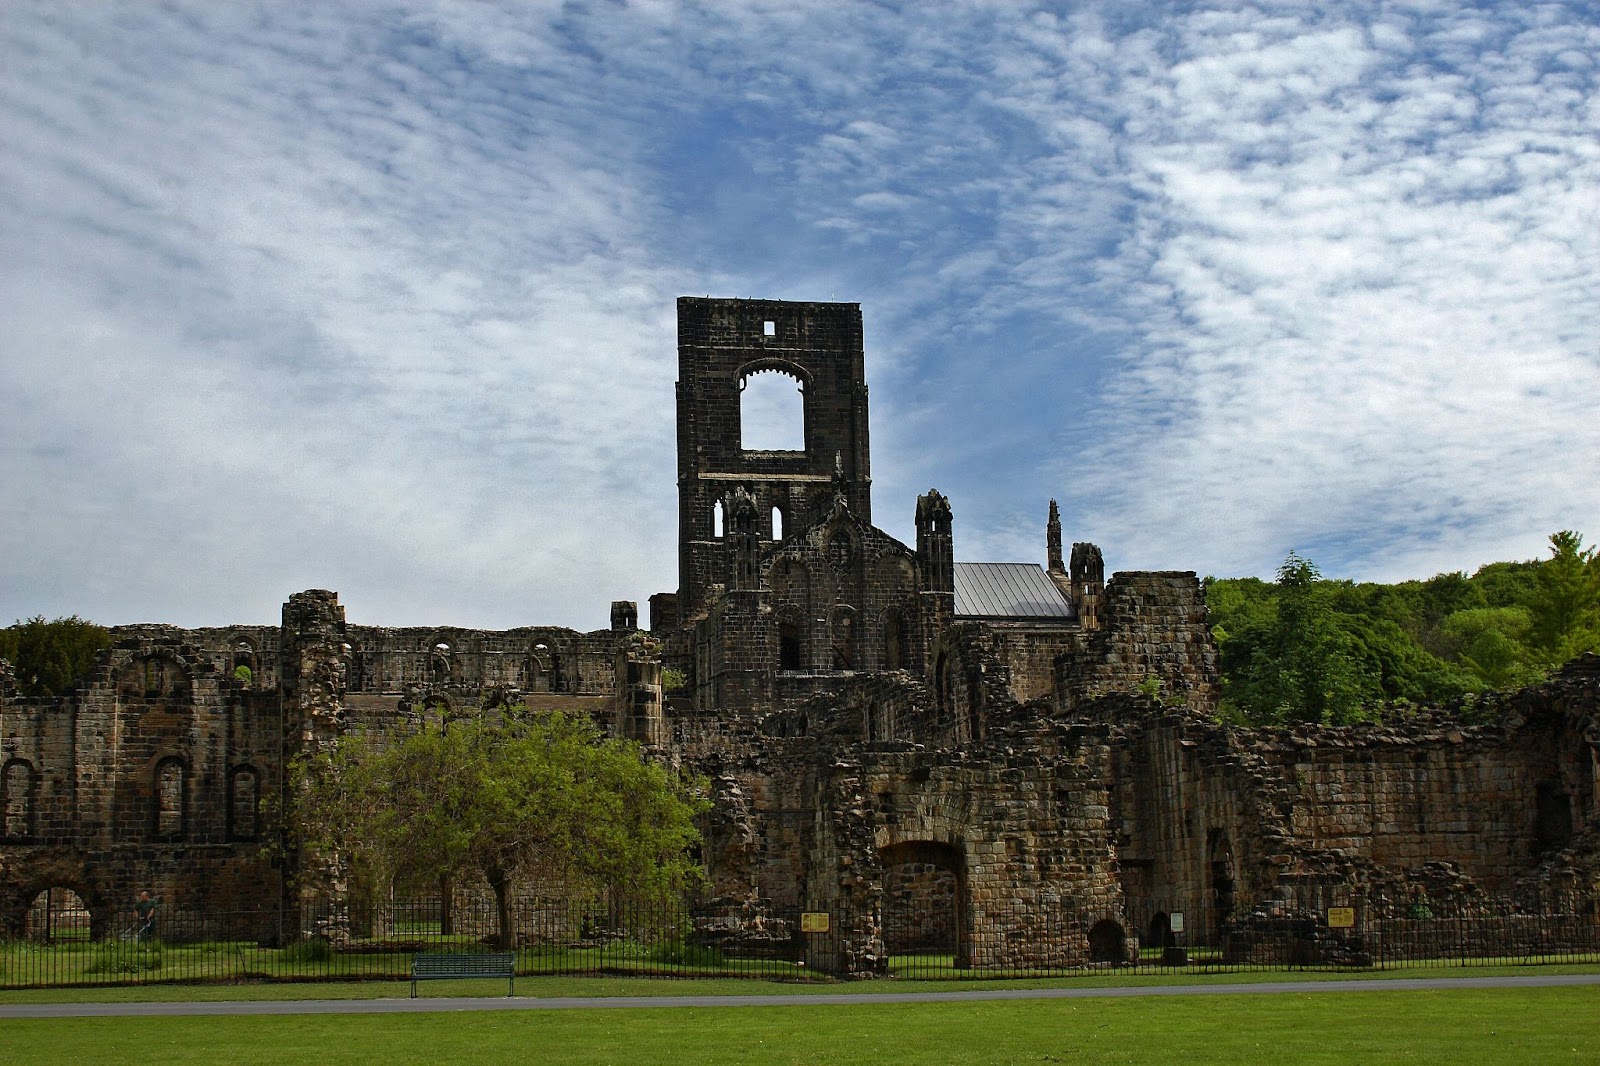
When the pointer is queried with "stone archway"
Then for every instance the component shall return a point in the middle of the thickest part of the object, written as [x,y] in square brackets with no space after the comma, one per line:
[926,907]
[57,914]
[55,902]
[1108,942]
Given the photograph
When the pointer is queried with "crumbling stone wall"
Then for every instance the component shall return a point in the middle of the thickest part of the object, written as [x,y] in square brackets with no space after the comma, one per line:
[720,344]
[149,776]
[1153,626]
[1211,819]
[535,659]
[1030,653]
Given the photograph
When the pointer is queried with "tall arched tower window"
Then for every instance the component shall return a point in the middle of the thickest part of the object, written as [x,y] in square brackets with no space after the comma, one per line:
[772,412]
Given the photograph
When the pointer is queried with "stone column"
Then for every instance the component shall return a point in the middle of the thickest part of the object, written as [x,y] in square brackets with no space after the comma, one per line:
[314,660]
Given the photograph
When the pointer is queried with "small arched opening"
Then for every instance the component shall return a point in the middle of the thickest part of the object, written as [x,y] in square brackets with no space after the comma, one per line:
[1108,943]
[57,914]
[842,635]
[170,799]
[790,646]
[441,664]
[895,639]
[244,665]
[1158,934]
[244,803]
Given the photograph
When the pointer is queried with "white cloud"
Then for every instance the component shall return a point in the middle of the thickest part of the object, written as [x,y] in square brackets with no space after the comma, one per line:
[380,299]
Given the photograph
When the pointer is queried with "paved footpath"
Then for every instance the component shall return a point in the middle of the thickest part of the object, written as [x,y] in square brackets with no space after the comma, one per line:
[413,1006]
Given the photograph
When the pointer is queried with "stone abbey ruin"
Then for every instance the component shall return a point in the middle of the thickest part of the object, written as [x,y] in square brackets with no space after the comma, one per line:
[1017,762]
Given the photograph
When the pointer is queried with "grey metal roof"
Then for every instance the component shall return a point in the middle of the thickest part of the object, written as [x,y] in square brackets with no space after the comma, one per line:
[1015,591]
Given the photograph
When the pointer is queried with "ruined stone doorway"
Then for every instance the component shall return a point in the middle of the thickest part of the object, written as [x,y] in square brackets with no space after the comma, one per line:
[925,904]
[56,914]
[1108,942]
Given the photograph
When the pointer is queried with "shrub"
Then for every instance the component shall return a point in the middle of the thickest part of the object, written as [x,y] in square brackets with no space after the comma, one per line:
[125,956]
[311,949]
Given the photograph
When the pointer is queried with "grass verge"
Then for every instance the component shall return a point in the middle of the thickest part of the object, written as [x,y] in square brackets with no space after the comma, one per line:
[1466,1025]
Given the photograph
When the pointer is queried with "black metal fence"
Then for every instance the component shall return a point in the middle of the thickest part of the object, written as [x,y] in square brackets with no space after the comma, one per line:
[1010,939]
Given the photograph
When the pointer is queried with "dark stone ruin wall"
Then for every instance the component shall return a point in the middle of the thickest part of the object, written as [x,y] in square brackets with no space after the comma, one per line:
[758,835]
[153,775]
[528,660]
[1211,819]
[1030,653]
[1021,832]
[1154,626]
[845,613]
[870,708]
[824,821]
[150,776]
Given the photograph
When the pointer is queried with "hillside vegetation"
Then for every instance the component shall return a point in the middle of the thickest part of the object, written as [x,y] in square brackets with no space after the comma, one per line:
[1310,649]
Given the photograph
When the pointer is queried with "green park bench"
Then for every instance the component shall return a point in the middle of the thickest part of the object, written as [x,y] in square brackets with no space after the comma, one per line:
[438,966]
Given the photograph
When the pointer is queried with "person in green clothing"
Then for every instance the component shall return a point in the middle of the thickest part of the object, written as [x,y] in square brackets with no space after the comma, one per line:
[144,910]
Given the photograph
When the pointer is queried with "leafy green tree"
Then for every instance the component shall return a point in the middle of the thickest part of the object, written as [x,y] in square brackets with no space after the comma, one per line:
[537,796]
[1492,642]
[1304,665]
[50,658]
[1565,601]
[1506,625]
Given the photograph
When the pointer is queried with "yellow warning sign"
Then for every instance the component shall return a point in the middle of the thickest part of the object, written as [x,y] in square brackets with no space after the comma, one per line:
[1341,917]
[814,921]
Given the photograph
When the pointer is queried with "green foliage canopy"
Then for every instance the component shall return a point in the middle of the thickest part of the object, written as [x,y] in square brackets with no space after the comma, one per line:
[50,658]
[539,795]
[1309,649]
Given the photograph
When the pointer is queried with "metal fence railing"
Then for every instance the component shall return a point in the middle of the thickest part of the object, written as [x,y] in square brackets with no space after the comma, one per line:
[1006,939]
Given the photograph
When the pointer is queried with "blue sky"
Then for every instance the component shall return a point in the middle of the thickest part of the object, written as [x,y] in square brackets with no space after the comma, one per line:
[380,298]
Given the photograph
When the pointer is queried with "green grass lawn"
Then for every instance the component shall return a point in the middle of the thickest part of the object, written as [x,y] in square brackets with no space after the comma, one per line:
[1465,1025]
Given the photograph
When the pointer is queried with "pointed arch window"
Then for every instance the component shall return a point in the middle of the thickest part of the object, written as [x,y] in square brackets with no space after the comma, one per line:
[772,412]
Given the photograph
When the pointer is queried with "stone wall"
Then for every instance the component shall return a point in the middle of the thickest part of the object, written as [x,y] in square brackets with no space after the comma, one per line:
[150,776]
[1211,819]
[1153,628]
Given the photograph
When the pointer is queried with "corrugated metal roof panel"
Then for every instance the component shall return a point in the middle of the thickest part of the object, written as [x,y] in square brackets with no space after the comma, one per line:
[1008,590]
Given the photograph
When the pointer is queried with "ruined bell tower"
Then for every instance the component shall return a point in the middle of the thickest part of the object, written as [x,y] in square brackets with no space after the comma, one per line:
[722,344]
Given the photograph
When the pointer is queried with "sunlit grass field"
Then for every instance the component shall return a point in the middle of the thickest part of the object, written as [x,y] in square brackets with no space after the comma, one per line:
[1458,1025]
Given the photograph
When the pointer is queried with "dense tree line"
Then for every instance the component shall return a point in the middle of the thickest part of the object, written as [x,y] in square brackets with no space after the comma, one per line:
[1307,648]
[50,658]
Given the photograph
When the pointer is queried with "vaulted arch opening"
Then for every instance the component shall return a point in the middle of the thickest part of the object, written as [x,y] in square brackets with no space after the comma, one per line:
[772,412]
[926,906]
[56,914]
